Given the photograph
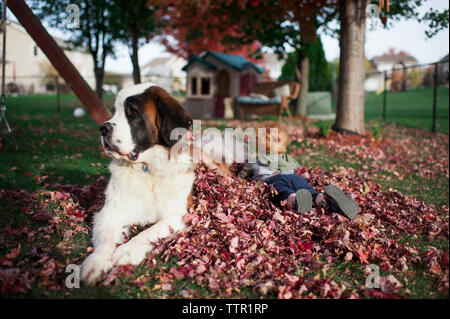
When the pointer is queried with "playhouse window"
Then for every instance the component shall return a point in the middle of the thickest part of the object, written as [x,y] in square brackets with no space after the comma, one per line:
[200,86]
[194,86]
[205,86]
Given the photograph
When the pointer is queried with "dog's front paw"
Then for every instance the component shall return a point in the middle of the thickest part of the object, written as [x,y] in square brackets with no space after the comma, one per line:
[94,267]
[130,253]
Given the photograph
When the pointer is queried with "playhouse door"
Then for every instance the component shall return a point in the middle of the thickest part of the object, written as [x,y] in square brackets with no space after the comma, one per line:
[223,91]
[247,80]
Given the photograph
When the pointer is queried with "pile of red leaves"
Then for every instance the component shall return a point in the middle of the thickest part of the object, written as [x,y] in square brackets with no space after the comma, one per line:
[240,239]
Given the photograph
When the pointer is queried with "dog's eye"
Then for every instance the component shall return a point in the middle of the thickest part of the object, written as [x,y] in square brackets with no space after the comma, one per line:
[131,110]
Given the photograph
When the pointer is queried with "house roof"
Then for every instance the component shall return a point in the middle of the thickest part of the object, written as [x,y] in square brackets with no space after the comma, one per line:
[200,60]
[157,61]
[394,58]
[235,61]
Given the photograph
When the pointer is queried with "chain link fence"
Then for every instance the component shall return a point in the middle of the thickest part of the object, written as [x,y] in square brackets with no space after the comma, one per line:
[413,95]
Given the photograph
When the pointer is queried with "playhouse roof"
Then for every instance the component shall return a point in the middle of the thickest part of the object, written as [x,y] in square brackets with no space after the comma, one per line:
[235,61]
[200,60]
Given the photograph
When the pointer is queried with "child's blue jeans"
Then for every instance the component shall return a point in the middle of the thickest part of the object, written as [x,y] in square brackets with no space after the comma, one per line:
[286,184]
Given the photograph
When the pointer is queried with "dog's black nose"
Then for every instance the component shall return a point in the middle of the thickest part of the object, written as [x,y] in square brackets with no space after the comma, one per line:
[133,155]
[105,128]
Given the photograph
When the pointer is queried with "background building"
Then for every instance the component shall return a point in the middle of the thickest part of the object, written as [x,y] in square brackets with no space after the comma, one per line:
[212,77]
[165,72]
[387,62]
[29,71]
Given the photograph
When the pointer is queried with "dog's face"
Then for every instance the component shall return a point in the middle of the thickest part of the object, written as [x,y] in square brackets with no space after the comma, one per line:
[144,116]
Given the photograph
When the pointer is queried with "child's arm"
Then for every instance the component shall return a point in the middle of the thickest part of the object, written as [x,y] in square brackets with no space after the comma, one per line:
[293,161]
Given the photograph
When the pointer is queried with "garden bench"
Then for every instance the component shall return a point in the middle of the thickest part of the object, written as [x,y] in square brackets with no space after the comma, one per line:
[273,105]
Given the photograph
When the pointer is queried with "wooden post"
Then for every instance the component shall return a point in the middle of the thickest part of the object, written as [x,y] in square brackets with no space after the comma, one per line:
[59,60]
[58,100]
[3,97]
[384,96]
[433,128]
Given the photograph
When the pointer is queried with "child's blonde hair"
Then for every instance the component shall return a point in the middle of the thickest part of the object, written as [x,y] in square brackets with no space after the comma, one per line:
[275,135]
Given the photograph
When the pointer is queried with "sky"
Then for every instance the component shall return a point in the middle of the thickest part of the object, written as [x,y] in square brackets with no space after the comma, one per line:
[406,35]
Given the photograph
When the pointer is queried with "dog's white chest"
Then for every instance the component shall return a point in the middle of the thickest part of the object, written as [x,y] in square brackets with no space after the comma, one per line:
[151,195]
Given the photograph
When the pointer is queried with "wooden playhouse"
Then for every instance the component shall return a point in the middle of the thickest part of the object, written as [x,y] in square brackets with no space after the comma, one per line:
[212,77]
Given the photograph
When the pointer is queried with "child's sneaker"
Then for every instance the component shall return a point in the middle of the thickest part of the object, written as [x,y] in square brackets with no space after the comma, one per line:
[303,201]
[340,202]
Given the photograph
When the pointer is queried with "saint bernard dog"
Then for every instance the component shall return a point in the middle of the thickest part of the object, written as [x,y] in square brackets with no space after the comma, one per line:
[148,185]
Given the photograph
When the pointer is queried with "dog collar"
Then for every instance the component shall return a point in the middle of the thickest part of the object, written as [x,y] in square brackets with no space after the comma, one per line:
[145,168]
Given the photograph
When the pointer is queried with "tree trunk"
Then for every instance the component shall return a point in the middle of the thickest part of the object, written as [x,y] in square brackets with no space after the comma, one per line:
[134,58]
[351,96]
[99,72]
[302,100]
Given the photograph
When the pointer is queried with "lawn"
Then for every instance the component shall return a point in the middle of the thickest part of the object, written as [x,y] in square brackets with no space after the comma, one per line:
[412,108]
[53,174]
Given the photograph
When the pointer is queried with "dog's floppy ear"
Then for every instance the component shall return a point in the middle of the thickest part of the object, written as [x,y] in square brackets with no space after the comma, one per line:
[172,114]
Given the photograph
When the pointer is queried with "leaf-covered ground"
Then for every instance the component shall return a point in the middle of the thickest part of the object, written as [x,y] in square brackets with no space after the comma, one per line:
[239,243]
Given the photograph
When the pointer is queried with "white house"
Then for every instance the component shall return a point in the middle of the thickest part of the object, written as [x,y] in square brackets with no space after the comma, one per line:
[26,64]
[164,71]
[387,62]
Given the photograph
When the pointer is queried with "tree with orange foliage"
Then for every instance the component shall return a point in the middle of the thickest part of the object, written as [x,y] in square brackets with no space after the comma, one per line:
[240,26]
[191,28]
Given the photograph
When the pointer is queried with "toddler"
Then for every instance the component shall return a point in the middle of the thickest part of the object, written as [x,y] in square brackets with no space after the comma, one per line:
[278,169]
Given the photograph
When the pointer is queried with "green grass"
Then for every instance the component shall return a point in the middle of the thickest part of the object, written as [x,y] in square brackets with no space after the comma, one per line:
[64,148]
[58,147]
[412,108]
